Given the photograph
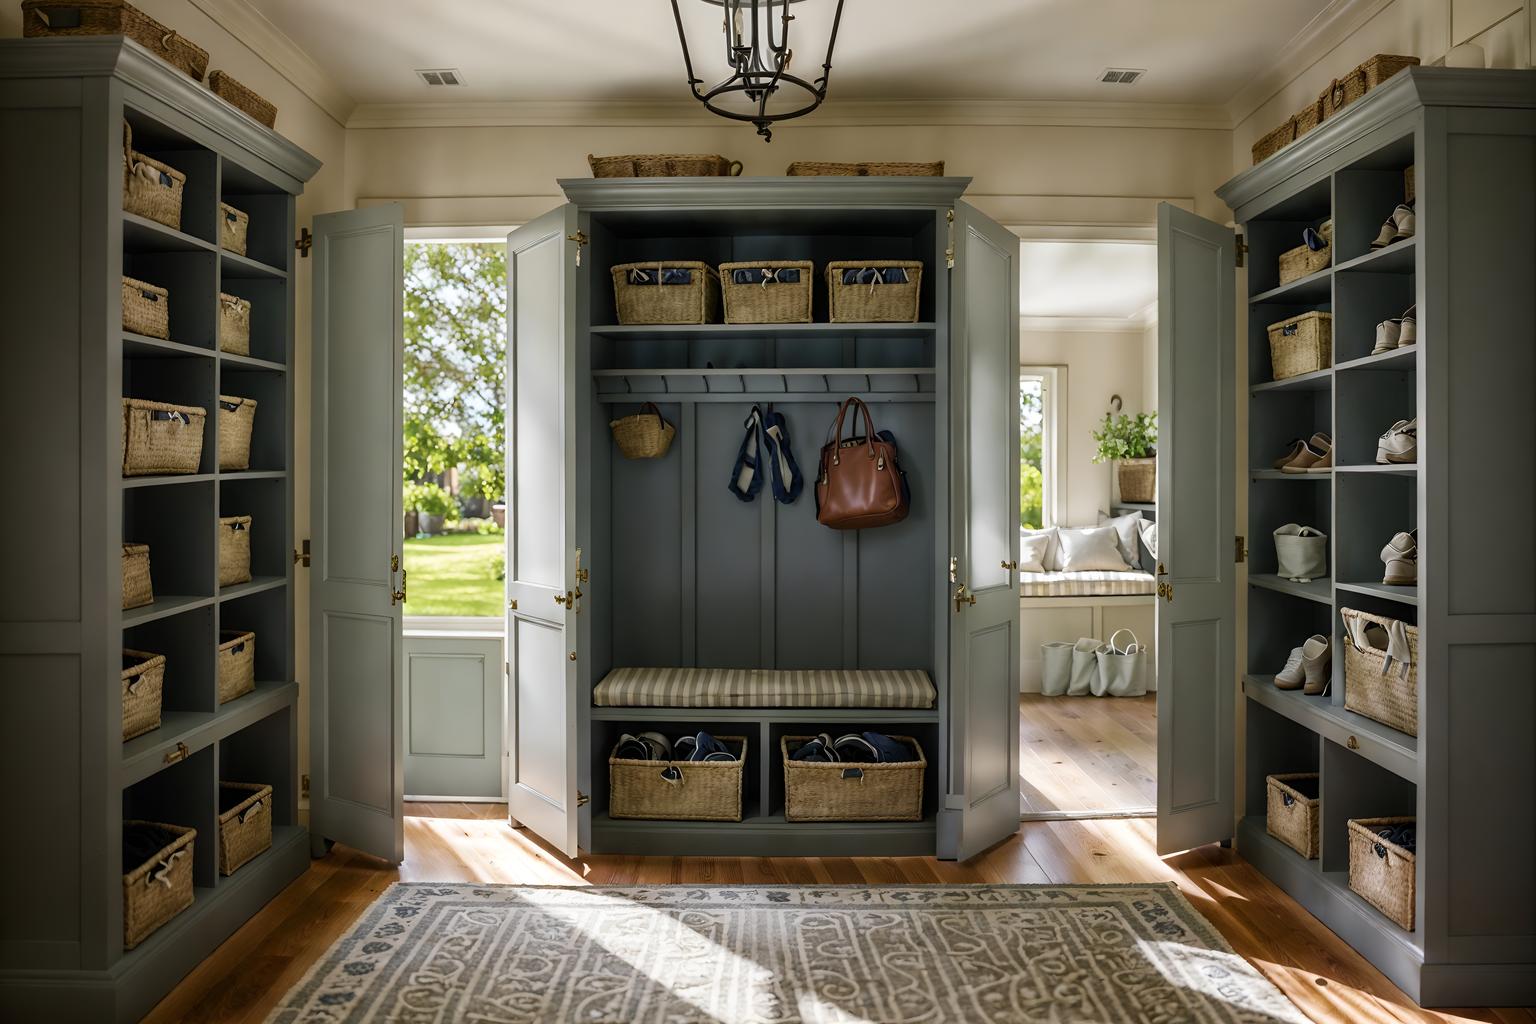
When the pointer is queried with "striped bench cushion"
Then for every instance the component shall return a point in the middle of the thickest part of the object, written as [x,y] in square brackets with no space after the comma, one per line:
[764,688]
[1098,583]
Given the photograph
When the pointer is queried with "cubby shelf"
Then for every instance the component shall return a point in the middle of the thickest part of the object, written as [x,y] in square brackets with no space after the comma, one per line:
[234,266]
[252,474]
[752,835]
[1314,288]
[145,755]
[1397,258]
[1396,360]
[1400,594]
[252,362]
[676,332]
[256,585]
[141,346]
[1395,751]
[142,235]
[167,480]
[1318,590]
[163,607]
[1317,380]
[1395,470]
[1275,474]
[624,385]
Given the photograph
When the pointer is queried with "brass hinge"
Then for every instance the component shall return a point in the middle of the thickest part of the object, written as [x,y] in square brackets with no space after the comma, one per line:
[303,785]
[580,238]
[1242,250]
[949,251]
[301,554]
[582,799]
[1240,554]
[304,242]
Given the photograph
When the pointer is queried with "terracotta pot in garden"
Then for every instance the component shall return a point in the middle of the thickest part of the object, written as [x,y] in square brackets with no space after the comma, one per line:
[499,514]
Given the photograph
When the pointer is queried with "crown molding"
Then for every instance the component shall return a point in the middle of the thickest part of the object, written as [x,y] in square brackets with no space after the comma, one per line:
[1320,37]
[1082,324]
[836,114]
[268,42]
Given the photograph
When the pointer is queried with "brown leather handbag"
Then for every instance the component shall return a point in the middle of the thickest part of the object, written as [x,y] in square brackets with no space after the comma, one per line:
[859,484]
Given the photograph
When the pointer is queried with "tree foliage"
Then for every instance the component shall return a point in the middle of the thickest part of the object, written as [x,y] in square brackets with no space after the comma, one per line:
[455,364]
[1031,454]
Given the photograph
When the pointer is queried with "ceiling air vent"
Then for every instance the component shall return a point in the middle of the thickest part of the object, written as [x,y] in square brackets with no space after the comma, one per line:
[1122,76]
[440,76]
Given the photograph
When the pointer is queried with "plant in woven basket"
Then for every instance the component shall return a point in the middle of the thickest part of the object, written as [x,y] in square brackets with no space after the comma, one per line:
[1126,437]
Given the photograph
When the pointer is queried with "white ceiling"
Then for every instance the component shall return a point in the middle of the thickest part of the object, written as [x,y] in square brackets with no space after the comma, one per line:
[1088,280]
[1195,51]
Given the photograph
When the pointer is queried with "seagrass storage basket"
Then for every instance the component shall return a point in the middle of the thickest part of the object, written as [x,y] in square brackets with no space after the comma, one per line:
[157,879]
[245,823]
[1299,262]
[151,188]
[159,437]
[234,229]
[1365,76]
[234,325]
[1138,480]
[1274,140]
[873,291]
[237,664]
[143,681]
[818,791]
[243,98]
[1294,810]
[767,292]
[663,165]
[645,435]
[237,418]
[137,588]
[1381,872]
[678,790]
[113,18]
[234,550]
[666,292]
[1301,344]
[867,169]
[146,308]
[1386,695]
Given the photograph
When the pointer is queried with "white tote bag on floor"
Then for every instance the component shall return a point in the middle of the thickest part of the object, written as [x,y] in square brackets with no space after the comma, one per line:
[1085,668]
[1055,667]
[1121,668]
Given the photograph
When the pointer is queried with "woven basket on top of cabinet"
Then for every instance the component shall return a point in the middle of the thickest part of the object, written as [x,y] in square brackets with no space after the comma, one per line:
[1385,693]
[157,885]
[866,169]
[678,790]
[236,658]
[835,791]
[146,308]
[1361,79]
[137,588]
[873,291]
[1303,260]
[237,418]
[663,165]
[143,682]
[1293,811]
[766,292]
[242,98]
[159,437]
[234,228]
[113,18]
[1383,873]
[234,550]
[666,292]
[1301,344]
[151,188]
[245,823]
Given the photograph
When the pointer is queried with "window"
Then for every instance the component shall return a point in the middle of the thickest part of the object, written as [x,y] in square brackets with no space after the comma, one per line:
[1041,483]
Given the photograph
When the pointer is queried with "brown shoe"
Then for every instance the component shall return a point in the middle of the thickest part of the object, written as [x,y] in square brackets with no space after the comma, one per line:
[1316,456]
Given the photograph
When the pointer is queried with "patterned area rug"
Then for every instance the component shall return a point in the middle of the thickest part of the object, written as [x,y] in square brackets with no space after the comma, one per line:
[495,954]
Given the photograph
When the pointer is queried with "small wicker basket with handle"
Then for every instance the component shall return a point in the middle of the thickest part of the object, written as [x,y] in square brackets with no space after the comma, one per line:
[245,823]
[160,887]
[645,435]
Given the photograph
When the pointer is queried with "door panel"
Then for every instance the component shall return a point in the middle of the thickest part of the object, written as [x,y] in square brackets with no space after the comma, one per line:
[356,697]
[1196,495]
[541,560]
[981,805]
[453,692]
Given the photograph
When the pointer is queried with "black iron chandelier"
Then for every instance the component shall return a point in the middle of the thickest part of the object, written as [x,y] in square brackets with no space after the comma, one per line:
[758,53]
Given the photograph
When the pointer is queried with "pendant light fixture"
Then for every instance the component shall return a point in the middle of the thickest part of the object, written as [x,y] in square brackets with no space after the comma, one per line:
[758,54]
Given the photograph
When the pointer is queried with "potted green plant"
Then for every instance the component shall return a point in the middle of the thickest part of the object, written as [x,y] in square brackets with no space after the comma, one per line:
[433,506]
[1131,443]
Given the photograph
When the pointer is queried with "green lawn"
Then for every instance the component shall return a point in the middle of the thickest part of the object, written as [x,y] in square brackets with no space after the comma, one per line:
[453,574]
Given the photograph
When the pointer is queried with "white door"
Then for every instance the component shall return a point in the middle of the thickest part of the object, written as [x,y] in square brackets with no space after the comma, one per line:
[981,805]
[356,749]
[542,706]
[1196,495]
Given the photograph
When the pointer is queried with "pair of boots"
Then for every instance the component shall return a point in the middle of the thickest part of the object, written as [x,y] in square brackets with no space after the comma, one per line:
[1309,668]
[1397,333]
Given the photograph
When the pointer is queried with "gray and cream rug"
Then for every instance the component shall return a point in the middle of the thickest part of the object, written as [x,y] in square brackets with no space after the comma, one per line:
[495,954]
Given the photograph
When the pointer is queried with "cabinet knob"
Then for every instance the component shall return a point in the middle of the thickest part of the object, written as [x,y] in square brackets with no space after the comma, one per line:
[1352,743]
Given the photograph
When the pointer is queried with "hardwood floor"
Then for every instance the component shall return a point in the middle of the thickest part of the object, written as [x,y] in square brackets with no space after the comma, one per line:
[1095,754]
[245,978]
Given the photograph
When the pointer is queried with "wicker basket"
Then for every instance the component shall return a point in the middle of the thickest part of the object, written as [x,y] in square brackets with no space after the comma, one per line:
[137,589]
[1299,262]
[641,299]
[234,229]
[234,550]
[1274,140]
[645,435]
[767,292]
[873,297]
[245,823]
[1292,816]
[663,165]
[113,18]
[1408,184]
[151,188]
[161,438]
[1362,79]
[820,168]
[237,664]
[237,418]
[143,679]
[678,790]
[160,887]
[1386,695]
[1311,115]
[146,308]
[1138,480]
[234,325]
[1383,874]
[242,98]
[819,791]
[1302,344]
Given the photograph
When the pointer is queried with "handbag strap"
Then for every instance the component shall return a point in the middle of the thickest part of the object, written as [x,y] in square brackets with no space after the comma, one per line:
[1134,647]
[837,428]
[650,407]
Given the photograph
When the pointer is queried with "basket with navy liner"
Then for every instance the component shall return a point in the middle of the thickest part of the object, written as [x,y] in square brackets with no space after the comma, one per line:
[842,791]
[161,438]
[151,188]
[146,308]
[157,876]
[1383,855]
[137,587]
[69,18]
[234,229]
[237,419]
[234,325]
[678,790]
[245,823]
[236,656]
[766,292]
[666,292]
[1293,810]
[234,550]
[143,683]
[873,291]
[1300,344]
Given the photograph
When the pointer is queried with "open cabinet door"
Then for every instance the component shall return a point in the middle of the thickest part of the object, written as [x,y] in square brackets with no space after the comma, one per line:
[1196,494]
[356,746]
[981,805]
[542,591]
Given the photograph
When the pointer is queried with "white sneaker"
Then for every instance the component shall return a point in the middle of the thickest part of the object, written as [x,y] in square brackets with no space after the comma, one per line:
[1410,331]
[1293,675]
[1401,556]
[1399,445]
[1388,336]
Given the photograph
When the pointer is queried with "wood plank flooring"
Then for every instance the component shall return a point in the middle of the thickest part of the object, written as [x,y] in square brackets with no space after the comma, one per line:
[245,978]
[1096,754]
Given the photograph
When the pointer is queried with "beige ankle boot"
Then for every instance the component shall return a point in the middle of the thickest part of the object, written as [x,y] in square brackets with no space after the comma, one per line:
[1317,663]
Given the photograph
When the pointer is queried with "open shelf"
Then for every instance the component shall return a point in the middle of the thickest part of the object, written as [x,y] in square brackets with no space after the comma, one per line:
[233,266]
[168,480]
[140,234]
[753,836]
[873,716]
[141,346]
[1397,258]
[621,385]
[1400,594]
[162,606]
[675,332]
[1318,590]
[1407,469]
[1315,287]
[254,363]
[1397,360]
[145,755]
[257,585]
[1275,474]
[1395,751]
[1317,380]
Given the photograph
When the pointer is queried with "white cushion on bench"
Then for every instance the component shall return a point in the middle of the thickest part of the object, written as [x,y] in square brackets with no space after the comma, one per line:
[1095,583]
[764,688]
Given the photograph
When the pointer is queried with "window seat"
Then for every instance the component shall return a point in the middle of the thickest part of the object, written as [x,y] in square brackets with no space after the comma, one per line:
[1104,583]
[764,688]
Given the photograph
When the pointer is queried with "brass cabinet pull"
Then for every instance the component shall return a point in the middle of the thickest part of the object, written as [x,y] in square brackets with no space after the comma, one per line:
[1010,565]
[179,754]
[398,596]
[962,598]
[1352,743]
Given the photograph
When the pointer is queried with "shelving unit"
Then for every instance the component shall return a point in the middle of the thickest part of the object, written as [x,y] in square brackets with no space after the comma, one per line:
[1471,137]
[82,776]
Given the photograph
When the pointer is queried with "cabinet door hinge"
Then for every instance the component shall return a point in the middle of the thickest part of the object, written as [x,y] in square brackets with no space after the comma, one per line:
[301,554]
[580,238]
[506,669]
[1240,550]
[582,799]
[304,785]
[949,251]
[304,242]
[1242,250]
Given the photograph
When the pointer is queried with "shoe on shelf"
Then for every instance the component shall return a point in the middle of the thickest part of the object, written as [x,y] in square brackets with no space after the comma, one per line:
[1315,456]
[1402,224]
[1401,556]
[1387,236]
[1294,449]
[1293,675]
[1410,331]
[1399,445]
[1388,336]
[1317,664]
